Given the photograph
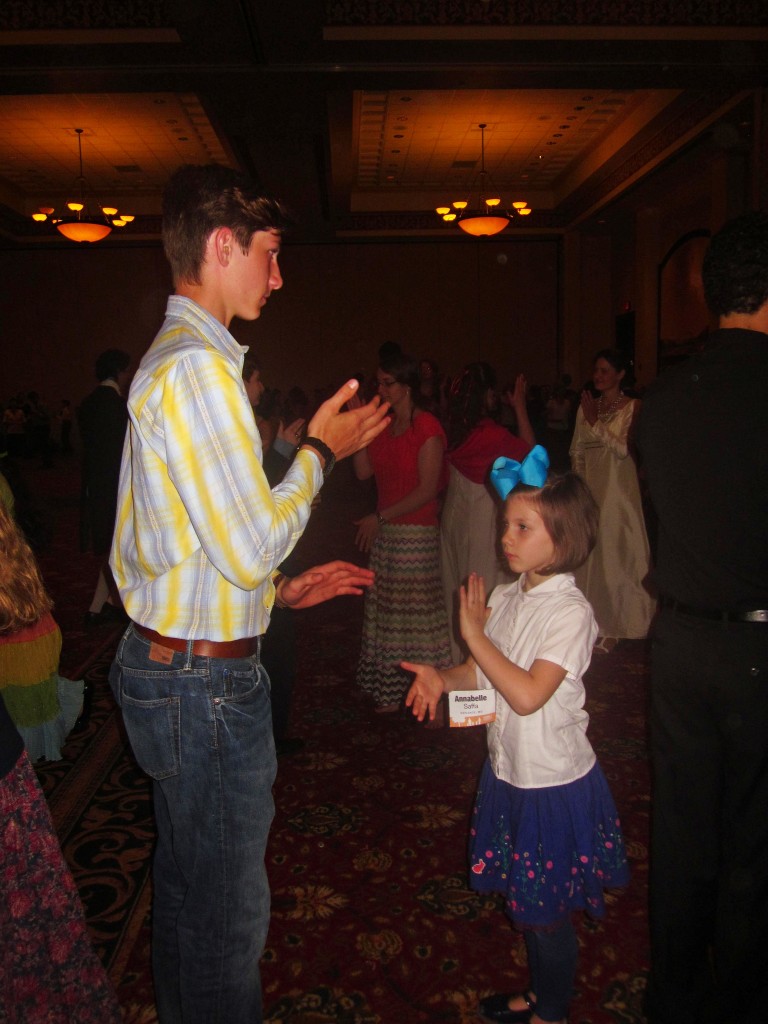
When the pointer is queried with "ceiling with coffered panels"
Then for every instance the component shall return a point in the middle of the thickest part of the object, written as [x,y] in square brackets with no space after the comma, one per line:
[365,116]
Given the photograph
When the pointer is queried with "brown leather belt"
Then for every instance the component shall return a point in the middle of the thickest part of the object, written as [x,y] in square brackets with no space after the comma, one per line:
[715,614]
[244,648]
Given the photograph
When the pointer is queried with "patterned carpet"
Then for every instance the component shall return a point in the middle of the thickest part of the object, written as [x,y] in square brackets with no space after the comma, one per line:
[373,922]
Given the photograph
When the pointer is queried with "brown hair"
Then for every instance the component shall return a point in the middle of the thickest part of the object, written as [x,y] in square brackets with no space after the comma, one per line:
[250,365]
[569,513]
[23,598]
[198,200]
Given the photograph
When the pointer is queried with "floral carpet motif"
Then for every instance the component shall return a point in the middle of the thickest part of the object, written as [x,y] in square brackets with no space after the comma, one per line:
[372,918]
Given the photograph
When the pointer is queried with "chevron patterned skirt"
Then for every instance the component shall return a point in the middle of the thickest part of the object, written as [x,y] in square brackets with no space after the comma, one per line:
[405,615]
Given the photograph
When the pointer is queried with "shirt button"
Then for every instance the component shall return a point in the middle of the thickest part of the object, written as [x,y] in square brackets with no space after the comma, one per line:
[754,671]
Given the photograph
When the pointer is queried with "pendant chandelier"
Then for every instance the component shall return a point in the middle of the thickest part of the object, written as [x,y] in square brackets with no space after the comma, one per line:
[485,217]
[79,225]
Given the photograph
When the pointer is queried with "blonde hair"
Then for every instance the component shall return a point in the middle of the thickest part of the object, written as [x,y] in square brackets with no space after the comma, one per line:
[23,597]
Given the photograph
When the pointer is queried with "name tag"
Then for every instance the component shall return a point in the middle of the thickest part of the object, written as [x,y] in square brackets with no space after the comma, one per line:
[471,707]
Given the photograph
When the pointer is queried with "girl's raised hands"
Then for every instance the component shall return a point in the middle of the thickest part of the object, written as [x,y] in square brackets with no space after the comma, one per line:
[472,608]
[426,690]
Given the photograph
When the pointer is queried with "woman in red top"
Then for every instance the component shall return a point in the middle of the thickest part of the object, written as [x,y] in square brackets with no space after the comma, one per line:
[469,523]
[404,607]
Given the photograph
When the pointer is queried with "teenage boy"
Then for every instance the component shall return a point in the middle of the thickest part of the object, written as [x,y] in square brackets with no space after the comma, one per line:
[198,537]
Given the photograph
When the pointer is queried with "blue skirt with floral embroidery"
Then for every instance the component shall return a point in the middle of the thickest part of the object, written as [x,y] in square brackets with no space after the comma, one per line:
[550,851]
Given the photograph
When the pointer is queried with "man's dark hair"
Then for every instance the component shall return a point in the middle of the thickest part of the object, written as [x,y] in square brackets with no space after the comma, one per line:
[108,364]
[735,269]
[250,365]
[198,200]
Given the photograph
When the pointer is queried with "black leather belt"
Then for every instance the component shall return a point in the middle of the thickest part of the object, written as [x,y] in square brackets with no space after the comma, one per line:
[244,648]
[715,614]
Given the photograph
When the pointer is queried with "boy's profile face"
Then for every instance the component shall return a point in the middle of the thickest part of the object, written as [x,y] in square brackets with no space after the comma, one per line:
[253,276]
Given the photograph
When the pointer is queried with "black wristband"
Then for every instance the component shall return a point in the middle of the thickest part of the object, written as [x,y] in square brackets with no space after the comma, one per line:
[322,448]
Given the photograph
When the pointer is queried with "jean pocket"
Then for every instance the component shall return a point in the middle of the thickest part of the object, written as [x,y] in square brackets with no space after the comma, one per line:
[154,731]
[244,684]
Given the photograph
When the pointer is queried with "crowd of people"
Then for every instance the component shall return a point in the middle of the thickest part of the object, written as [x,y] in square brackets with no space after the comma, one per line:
[494,563]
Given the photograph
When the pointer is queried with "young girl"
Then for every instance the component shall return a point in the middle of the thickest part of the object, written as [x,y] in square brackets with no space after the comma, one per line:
[43,705]
[545,830]
[49,971]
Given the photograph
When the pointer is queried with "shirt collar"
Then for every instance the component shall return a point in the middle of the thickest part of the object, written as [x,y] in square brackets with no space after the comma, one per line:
[560,581]
[182,308]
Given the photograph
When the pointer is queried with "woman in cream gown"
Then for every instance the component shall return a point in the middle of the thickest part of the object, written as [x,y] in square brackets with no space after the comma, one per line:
[614,577]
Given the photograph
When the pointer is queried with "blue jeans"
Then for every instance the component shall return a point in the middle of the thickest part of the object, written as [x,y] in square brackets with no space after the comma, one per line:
[201,728]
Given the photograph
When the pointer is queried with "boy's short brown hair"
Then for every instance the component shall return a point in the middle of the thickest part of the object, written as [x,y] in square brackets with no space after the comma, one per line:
[198,200]
[569,513]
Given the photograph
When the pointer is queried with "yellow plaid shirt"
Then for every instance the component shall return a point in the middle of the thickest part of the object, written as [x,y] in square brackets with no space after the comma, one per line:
[198,531]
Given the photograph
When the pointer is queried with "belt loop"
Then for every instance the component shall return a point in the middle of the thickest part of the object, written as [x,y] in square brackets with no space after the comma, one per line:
[188,660]
[258,651]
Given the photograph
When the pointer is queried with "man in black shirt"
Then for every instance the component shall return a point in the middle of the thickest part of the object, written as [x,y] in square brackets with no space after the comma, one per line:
[703,437]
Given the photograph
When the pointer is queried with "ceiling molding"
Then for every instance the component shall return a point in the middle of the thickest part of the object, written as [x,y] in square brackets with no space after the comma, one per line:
[580,107]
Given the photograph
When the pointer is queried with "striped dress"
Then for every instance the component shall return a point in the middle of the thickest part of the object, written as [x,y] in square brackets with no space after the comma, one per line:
[405,617]
[43,705]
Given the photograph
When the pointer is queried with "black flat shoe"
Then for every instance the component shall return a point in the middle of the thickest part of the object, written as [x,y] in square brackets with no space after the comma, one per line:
[496,1008]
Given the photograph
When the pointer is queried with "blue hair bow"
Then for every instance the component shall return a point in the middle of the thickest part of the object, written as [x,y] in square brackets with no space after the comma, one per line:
[506,474]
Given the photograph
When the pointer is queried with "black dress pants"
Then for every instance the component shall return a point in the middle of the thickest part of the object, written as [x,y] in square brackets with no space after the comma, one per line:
[709,841]
[278,655]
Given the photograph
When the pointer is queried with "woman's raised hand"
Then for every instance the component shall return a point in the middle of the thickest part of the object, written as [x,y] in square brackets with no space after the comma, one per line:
[517,397]
[589,407]
[291,432]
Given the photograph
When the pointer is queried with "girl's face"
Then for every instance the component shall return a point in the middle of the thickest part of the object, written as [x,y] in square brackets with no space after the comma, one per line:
[525,541]
[605,377]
